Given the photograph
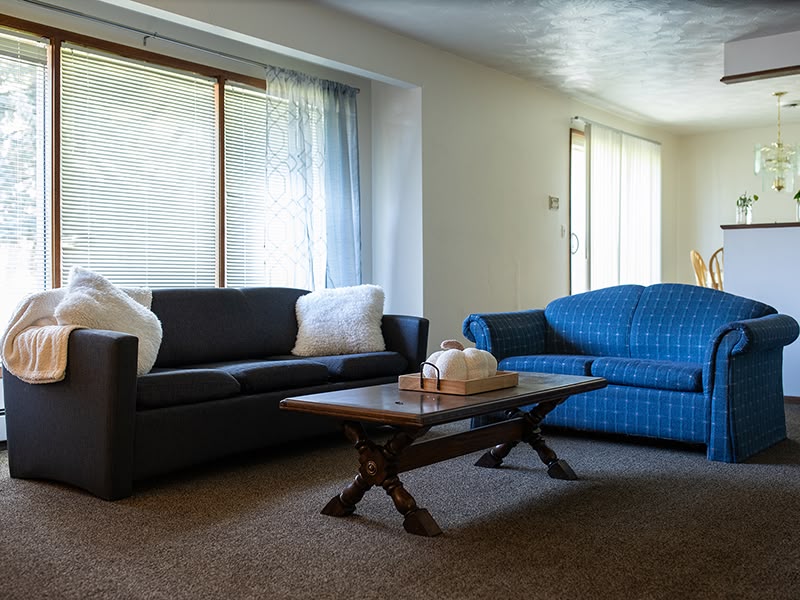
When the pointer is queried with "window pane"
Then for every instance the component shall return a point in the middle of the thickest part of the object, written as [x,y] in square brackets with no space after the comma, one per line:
[275,208]
[138,172]
[245,187]
[24,198]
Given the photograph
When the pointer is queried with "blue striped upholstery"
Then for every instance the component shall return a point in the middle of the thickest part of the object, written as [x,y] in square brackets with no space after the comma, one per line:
[636,411]
[507,334]
[658,374]
[746,408]
[562,364]
[683,362]
[676,322]
[597,322]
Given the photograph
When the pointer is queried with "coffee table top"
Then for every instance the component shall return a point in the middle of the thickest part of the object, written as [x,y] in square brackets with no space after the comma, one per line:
[392,406]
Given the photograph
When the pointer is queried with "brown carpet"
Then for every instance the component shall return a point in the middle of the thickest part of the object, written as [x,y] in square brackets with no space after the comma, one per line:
[645,520]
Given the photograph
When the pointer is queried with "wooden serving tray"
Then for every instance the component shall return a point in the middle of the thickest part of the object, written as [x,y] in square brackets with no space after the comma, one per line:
[460,387]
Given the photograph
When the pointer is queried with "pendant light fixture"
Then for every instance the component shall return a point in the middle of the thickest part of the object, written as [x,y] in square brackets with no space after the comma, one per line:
[777,162]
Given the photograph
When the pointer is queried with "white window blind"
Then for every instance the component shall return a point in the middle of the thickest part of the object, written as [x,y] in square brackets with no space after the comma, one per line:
[245,186]
[24,198]
[138,172]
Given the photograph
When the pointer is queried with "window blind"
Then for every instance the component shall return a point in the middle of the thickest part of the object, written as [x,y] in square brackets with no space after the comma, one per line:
[138,172]
[245,186]
[24,198]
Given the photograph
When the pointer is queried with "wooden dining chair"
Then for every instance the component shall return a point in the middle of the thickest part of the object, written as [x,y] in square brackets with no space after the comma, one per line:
[700,271]
[715,269]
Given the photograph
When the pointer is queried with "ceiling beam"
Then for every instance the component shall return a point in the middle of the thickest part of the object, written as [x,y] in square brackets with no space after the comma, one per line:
[762,58]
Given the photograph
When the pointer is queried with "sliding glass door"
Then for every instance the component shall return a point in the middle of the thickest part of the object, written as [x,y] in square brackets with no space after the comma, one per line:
[615,209]
[578,215]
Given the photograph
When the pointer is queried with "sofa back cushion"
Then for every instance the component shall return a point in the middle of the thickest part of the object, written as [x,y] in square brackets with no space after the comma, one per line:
[596,323]
[676,322]
[207,325]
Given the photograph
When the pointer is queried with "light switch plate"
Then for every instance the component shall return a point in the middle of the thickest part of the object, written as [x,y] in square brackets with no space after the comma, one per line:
[553,202]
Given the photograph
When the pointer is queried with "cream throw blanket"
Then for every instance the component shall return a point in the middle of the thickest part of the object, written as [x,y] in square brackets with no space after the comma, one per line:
[34,345]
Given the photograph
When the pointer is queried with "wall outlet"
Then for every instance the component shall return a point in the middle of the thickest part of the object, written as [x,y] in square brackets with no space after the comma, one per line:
[553,200]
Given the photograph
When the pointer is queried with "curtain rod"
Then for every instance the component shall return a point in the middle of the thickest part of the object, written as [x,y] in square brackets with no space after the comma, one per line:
[146,34]
[590,122]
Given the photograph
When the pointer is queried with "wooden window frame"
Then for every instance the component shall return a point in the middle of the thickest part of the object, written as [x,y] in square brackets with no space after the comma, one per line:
[57,37]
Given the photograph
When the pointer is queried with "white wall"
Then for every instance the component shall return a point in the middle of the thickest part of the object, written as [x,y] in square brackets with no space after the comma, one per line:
[397,251]
[715,169]
[753,257]
[493,148]
[460,221]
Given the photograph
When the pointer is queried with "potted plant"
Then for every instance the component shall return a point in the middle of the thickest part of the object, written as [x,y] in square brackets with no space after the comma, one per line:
[744,208]
[797,206]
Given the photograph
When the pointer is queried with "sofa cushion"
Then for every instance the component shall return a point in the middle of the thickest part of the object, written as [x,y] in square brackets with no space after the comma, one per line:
[561,364]
[256,376]
[595,323]
[657,374]
[676,321]
[168,387]
[343,320]
[352,367]
[221,324]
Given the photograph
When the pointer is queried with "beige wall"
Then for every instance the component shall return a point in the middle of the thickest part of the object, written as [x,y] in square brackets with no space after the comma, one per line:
[491,149]
[715,169]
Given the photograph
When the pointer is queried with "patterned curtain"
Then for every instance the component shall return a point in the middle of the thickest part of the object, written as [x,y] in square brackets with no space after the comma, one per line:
[313,197]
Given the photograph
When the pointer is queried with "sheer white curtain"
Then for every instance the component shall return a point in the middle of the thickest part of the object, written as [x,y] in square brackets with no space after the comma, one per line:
[312,235]
[625,208]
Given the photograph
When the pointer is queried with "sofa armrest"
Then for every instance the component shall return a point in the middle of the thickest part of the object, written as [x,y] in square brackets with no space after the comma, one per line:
[518,333]
[748,336]
[744,384]
[763,333]
[408,336]
[79,430]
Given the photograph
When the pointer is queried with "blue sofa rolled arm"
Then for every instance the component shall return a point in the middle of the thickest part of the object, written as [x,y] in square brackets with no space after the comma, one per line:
[765,333]
[507,334]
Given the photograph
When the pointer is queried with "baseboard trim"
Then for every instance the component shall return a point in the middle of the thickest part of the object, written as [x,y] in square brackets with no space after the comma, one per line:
[791,399]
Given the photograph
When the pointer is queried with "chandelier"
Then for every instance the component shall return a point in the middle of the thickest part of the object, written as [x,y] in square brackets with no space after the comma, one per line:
[777,162]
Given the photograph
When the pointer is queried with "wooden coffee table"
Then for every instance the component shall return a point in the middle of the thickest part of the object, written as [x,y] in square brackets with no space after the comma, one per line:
[413,413]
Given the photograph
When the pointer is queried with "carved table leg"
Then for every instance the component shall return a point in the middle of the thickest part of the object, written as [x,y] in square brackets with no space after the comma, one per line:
[344,504]
[416,520]
[556,468]
[378,466]
[494,457]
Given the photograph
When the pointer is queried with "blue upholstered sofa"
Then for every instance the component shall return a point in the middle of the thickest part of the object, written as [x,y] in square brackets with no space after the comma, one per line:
[683,362]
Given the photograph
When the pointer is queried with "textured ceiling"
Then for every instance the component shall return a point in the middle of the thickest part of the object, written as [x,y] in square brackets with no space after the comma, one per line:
[657,61]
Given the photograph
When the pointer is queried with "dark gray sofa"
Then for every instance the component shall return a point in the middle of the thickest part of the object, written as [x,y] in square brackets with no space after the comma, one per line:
[224,364]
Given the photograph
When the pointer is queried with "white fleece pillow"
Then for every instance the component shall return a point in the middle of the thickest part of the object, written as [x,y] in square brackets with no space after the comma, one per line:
[340,321]
[94,302]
